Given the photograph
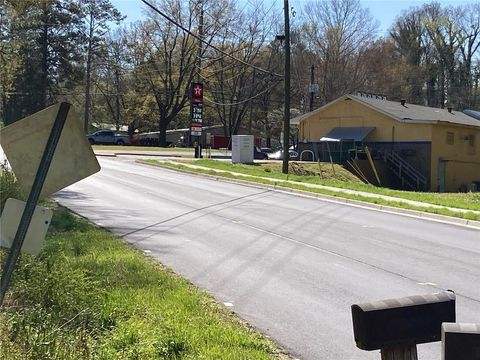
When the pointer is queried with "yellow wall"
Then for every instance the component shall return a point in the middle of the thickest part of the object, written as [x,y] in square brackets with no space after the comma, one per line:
[349,113]
[462,159]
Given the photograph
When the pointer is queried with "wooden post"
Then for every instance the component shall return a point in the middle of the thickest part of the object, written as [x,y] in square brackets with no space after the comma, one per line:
[370,160]
[401,352]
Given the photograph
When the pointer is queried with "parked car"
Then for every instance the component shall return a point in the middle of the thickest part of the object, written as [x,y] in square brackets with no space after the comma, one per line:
[108,137]
[259,154]
[267,150]
[278,155]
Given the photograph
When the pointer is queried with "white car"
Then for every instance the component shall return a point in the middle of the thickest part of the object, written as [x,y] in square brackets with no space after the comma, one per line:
[278,155]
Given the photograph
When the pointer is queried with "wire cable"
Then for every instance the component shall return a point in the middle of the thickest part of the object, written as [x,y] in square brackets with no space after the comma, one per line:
[243,101]
[207,43]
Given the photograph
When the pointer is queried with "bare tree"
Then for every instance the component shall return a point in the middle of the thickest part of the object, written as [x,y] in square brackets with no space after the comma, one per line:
[338,31]
[165,57]
[234,85]
[469,43]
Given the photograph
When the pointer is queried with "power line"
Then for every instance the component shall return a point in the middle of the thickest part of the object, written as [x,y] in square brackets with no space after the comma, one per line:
[235,35]
[243,101]
[206,43]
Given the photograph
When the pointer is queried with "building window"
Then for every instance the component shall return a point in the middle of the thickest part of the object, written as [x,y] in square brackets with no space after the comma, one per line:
[450,138]
[471,144]
[471,140]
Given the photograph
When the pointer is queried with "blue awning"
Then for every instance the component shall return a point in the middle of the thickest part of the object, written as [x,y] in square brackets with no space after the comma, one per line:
[348,133]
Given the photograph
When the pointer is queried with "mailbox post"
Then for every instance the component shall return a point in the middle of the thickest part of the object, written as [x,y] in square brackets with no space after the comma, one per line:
[396,326]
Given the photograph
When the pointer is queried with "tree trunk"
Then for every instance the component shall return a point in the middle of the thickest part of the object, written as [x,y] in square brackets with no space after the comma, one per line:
[88,75]
[44,74]
[86,117]
[117,99]
[162,127]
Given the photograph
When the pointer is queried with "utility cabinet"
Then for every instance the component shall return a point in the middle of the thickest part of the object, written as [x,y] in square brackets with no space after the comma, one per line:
[242,149]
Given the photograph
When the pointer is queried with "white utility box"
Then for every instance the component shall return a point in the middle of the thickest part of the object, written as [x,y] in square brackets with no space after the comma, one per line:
[242,149]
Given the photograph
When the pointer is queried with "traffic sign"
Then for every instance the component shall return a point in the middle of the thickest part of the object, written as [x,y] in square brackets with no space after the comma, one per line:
[24,142]
[11,215]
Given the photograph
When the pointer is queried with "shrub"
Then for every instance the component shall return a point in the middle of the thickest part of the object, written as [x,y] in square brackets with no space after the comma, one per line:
[9,186]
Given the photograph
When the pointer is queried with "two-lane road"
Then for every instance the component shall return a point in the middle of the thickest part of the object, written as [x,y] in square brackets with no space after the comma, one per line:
[292,266]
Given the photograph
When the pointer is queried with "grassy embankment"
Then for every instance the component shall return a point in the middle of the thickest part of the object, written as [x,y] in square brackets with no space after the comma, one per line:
[89,295]
[339,178]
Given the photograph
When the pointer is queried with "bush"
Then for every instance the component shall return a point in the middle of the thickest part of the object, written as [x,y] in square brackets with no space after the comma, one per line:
[9,186]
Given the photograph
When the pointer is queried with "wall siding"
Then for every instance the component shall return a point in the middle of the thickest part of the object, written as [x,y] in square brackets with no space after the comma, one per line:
[462,160]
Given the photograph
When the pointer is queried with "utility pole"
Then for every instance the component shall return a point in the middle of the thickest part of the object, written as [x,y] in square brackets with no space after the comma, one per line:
[198,139]
[286,120]
[312,80]
[200,44]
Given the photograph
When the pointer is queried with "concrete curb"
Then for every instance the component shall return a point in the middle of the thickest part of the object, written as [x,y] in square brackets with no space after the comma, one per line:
[339,200]
[115,154]
[106,155]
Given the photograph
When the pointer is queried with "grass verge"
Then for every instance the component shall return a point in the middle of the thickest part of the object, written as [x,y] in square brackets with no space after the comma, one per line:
[89,295]
[467,201]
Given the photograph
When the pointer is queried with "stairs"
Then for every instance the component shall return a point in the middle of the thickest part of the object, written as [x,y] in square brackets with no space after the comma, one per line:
[408,176]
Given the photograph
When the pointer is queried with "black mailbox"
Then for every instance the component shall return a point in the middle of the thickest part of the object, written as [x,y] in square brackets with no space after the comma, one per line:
[409,320]
[460,341]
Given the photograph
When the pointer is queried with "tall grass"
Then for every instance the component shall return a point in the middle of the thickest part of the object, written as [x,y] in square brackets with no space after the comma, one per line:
[88,295]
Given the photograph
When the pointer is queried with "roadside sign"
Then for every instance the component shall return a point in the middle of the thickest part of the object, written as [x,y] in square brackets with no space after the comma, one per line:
[24,143]
[11,215]
[197,93]
[32,144]
[196,109]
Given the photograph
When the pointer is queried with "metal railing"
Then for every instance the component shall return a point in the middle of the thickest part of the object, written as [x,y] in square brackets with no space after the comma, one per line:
[403,169]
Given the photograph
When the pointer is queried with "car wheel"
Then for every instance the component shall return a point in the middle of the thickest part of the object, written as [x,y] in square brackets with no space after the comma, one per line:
[120,142]
[91,141]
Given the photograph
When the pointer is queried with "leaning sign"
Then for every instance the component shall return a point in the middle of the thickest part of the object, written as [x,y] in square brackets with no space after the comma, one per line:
[196,109]
[47,151]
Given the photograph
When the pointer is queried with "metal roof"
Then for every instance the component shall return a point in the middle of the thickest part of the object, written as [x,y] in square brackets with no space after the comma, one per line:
[408,113]
[347,133]
[472,113]
[415,113]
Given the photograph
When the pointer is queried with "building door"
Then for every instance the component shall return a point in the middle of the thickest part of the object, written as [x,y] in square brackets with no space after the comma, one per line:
[442,168]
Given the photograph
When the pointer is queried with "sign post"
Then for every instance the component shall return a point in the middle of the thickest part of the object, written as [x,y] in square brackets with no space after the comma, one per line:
[196,117]
[33,198]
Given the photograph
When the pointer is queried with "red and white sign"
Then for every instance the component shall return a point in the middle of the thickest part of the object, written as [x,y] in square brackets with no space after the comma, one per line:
[196,109]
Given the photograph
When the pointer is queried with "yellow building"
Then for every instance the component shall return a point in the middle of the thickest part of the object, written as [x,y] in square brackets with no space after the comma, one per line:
[440,146]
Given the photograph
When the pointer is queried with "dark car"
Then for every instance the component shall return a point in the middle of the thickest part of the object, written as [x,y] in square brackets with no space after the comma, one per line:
[259,154]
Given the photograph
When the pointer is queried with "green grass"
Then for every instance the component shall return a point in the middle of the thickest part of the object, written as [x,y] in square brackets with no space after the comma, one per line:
[468,201]
[89,295]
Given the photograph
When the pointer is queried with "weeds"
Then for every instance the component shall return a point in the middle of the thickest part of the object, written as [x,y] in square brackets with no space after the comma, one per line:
[9,187]
[88,295]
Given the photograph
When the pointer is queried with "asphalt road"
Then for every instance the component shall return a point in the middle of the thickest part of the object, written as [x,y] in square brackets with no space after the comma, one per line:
[291,266]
